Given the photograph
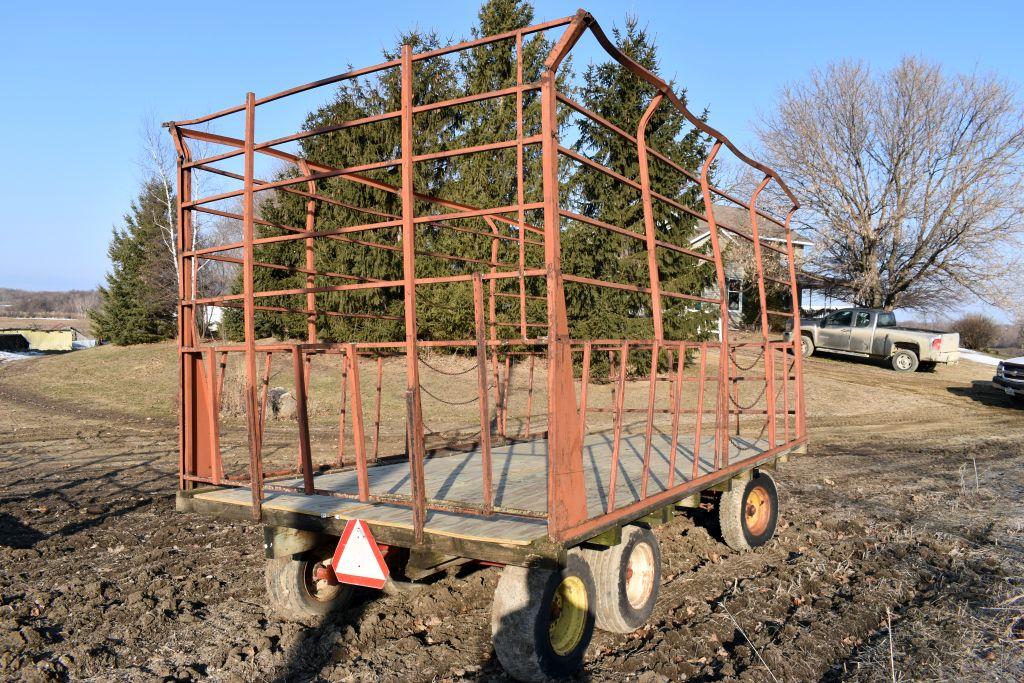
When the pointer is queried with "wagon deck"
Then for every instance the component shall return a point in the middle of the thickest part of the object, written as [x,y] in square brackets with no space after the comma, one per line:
[520,473]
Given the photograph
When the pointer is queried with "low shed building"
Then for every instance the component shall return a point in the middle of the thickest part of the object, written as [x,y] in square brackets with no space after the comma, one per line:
[37,335]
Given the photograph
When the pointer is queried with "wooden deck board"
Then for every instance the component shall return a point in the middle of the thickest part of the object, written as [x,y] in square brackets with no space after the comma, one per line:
[520,481]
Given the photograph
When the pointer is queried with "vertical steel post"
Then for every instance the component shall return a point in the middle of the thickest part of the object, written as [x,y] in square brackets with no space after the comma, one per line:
[344,406]
[414,407]
[214,433]
[650,234]
[310,258]
[769,368]
[770,408]
[302,417]
[506,396]
[758,262]
[520,189]
[481,380]
[265,389]
[248,311]
[722,413]
[220,377]
[567,497]
[786,367]
[529,395]
[652,391]
[376,418]
[584,385]
[801,416]
[358,435]
[677,387]
[701,377]
[620,398]
[187,451]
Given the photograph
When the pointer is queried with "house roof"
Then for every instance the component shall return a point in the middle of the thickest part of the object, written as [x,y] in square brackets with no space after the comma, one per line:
[739,218]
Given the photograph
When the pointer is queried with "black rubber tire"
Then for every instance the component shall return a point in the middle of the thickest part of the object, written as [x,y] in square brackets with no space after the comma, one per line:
[610,566]
[806,345]
[927,366]
[520,618]
[293,597]
[732,518]
[904,360]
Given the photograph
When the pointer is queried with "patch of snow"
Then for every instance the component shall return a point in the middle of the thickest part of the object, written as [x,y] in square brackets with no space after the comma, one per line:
[6,356]
[979,357]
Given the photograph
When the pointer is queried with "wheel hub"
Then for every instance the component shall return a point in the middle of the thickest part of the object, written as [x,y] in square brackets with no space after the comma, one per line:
[318,584]
[568,615]
[757,510]
[640,575]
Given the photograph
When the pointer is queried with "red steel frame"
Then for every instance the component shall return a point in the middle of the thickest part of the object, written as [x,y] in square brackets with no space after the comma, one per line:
[202,364]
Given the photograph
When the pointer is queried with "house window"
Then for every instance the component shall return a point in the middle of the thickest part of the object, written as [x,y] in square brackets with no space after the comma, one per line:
[734,286]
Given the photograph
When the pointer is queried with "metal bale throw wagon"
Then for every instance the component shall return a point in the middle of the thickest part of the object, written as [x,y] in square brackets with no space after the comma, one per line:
[618,431]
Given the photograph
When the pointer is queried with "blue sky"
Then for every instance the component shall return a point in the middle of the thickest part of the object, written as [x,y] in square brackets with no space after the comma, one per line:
[80,78]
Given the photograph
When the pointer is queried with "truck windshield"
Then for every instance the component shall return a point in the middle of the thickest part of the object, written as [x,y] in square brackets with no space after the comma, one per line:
[886,320]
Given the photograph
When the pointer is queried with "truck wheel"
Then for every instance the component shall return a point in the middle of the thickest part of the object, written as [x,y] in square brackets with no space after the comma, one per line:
[747,514]
[542,620]
[627,577]
[904,360]
[806,346]
[297,594]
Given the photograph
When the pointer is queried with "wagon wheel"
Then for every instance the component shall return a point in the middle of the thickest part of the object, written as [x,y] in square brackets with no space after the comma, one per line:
[299,589]
[747,515]
[542,620]
[627,577]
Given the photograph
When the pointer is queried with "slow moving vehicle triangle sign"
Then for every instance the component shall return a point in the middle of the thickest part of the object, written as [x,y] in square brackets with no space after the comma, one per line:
[357,559]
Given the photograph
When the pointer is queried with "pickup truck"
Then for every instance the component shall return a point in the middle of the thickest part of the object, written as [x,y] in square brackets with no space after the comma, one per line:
[1010,377]
[873,333]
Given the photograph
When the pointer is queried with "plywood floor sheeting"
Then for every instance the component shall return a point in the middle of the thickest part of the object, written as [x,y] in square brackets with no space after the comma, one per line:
[519,473]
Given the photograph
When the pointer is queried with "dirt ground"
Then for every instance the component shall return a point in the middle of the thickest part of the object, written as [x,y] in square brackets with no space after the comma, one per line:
[900,555]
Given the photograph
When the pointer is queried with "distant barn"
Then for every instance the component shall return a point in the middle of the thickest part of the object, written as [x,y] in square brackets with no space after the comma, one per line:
[32,334]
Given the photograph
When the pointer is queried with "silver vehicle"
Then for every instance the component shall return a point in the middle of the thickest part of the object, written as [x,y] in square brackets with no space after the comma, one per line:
[873,333]
[1010,376]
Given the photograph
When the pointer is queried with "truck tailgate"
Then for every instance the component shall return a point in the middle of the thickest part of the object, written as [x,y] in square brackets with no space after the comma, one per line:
[950,341]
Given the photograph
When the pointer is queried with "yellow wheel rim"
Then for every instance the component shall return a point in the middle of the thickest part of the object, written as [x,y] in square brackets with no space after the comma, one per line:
[568,615]
[758,510]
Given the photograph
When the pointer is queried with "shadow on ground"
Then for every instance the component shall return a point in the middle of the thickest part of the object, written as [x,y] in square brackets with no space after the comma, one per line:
[987,394]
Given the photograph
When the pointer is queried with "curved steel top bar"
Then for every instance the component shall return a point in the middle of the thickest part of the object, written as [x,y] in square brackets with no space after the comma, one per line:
[577,24]
[536,28]
[585,20]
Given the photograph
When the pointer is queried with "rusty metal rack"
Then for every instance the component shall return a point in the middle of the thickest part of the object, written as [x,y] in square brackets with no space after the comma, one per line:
[513,499]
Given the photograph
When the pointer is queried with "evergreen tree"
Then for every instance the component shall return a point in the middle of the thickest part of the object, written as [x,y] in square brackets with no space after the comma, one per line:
[617,95]
[138,303]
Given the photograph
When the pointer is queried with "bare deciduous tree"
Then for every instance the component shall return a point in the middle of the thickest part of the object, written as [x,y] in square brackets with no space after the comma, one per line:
[911,181]
[159,162]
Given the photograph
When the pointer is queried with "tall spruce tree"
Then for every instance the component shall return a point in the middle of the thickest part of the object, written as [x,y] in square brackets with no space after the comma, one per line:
[138,302]
[619,96]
